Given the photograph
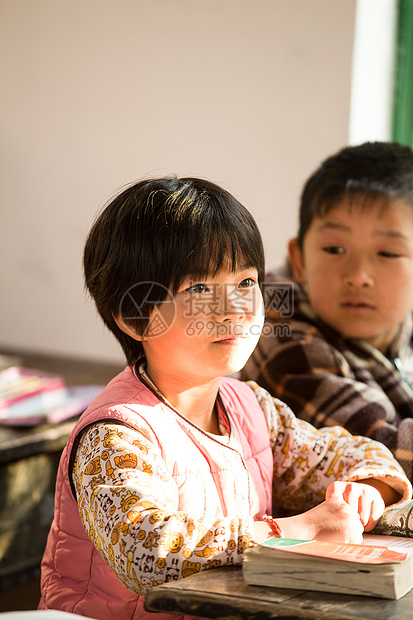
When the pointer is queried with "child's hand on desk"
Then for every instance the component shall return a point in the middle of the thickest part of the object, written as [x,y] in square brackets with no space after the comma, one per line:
[365,499]
[332,520]
[350,508]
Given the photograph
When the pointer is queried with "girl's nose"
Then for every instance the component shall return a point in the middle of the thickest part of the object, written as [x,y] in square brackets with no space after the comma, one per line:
[233,314]
[232,307]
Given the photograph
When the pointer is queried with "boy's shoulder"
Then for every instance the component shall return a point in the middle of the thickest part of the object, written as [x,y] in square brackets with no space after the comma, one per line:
[301,346]
[291,321]
[286,303]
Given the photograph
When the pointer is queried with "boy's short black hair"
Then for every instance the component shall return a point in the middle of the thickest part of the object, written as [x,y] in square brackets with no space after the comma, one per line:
[371,170]
[155,234]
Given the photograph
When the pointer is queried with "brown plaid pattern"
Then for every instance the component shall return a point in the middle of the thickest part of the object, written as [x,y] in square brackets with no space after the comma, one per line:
[328,380]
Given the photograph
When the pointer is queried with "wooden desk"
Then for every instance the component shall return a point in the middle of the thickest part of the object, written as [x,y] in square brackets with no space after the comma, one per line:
[29,458]
[222,594]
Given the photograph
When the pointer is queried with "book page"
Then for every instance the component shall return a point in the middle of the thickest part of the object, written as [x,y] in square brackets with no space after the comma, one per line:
[397,543]
[365,554]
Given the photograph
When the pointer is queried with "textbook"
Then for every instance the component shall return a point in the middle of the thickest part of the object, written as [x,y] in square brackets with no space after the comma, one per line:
[381,566]
[30,397]
[27,390]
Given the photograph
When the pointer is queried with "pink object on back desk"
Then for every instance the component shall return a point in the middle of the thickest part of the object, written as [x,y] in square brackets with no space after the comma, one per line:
[29,397]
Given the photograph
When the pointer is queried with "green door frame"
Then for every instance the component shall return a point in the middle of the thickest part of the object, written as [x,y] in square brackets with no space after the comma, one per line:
[403,88]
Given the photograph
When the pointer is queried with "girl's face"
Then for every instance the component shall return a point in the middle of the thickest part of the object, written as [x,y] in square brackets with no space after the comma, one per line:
[213,327]
[357,265]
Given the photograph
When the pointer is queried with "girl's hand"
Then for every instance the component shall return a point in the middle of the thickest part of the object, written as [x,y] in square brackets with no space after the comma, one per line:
[333,520]
[363,498]
[350,508]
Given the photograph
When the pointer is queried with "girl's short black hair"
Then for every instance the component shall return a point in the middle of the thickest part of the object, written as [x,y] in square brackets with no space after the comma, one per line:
[371,170]
[155,234]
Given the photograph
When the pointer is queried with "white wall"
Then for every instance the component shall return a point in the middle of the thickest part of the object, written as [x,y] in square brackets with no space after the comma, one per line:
[96,93]
[374,55]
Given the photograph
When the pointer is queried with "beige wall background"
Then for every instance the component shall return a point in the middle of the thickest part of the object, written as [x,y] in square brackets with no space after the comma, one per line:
[251,94]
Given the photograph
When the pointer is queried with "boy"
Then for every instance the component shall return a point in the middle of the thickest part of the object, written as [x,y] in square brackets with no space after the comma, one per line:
[345,356]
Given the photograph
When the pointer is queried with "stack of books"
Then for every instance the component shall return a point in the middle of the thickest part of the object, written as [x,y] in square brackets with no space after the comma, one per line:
[382,566]
[30,397]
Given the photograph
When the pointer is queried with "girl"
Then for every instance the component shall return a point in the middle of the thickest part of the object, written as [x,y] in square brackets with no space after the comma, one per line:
[173,468]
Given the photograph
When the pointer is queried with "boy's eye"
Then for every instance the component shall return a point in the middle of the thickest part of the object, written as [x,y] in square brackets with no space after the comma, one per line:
[247,283]
[389,254]
[197,288]
[333,249]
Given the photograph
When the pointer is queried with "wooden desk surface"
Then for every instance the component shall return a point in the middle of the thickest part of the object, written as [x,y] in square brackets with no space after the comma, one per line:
[222,594]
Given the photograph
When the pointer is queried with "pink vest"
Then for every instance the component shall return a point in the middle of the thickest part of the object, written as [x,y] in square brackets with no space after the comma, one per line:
[75,578]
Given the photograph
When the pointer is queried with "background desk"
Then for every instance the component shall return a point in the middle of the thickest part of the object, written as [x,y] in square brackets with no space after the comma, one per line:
[222,594]
[28,463]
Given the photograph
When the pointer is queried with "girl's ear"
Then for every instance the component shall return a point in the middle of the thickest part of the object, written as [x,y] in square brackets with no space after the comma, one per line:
[125,328]
[297,260]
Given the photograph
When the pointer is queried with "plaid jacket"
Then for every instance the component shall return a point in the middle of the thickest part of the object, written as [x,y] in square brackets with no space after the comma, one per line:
[329,380]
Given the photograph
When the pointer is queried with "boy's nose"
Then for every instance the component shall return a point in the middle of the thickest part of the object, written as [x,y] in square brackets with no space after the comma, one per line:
[358,273]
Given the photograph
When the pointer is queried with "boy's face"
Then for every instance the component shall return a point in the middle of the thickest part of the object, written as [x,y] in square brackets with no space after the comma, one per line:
[357,265]
[216,326]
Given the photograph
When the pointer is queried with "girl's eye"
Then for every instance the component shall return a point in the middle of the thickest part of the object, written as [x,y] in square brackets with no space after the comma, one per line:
[333,249]
[197,288]
[247,283]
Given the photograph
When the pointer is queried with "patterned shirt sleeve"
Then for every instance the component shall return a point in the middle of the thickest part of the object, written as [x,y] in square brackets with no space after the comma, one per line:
[307,460]
[128,504]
